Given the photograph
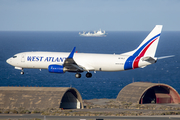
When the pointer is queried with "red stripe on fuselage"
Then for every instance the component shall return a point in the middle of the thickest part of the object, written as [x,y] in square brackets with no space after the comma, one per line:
[137,59]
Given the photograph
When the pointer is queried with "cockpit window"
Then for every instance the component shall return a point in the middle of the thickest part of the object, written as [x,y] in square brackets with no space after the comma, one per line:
[14,56]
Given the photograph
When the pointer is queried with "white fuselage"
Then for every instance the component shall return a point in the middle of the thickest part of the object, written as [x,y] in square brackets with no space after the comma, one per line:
[92,62]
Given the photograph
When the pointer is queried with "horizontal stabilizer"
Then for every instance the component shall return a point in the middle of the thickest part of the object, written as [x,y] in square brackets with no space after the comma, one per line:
[165,57]
[143,67]
[148,59]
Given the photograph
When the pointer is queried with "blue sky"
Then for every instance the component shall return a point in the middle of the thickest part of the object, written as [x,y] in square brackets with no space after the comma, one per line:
[80,15]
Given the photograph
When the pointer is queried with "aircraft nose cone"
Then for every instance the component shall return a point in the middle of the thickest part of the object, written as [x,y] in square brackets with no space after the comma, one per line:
[9,61]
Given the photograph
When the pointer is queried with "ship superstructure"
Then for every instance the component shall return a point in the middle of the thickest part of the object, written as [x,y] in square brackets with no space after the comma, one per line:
[98,33]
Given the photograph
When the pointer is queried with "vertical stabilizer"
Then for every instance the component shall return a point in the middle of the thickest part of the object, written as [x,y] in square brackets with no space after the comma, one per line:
[149,45]
[146,48]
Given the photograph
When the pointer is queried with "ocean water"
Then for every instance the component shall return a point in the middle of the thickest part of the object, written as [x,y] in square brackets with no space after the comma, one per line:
[102,84]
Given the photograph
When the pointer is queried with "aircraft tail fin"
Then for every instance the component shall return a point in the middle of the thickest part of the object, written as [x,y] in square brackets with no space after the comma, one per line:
[149,45]
[146,49]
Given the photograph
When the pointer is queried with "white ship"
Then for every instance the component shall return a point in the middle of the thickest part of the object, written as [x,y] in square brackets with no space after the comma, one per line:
[95,34]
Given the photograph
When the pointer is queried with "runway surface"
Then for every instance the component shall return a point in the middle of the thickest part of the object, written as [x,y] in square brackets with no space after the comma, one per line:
[31,116]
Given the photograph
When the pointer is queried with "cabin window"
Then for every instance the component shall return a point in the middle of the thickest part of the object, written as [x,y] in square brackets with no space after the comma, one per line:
[14,56]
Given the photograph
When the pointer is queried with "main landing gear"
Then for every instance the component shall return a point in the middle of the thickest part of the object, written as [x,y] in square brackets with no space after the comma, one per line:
[78,75]
[88,75]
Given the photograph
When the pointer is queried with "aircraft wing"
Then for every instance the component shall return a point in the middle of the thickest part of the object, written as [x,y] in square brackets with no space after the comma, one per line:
[70,64]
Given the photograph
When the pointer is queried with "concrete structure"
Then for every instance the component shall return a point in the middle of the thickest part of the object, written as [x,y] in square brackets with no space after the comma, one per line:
[40,97]
[143,92]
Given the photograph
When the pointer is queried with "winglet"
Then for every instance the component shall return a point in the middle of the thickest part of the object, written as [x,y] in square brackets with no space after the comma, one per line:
[72,53]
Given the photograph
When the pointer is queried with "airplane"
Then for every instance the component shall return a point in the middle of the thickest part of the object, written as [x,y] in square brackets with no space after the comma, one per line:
[61,62]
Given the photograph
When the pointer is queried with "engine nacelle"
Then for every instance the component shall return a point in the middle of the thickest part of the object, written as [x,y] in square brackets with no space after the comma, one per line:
[56,69]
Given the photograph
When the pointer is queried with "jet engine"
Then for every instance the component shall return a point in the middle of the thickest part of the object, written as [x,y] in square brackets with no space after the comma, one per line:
[56,69]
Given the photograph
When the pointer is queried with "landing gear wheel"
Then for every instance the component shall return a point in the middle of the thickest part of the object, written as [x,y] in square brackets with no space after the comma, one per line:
[78,75]
[88,75]
[22,72]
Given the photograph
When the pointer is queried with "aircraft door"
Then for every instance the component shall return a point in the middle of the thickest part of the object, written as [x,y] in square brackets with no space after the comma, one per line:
[23,57]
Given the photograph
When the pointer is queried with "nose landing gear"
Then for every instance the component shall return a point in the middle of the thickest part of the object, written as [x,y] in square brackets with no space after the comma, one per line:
[22,72]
